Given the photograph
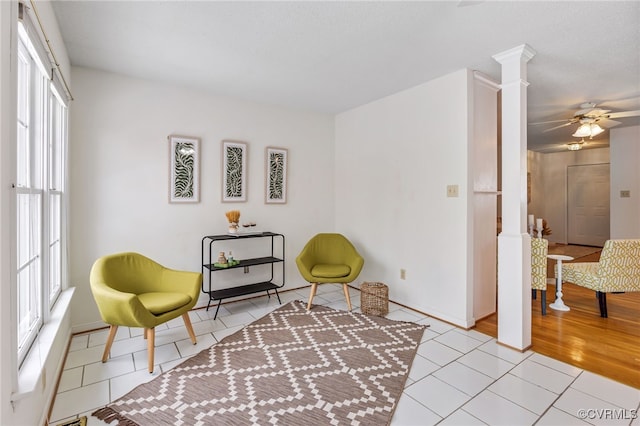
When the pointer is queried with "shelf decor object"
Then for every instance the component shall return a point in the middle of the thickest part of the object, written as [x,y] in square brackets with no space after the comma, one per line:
[233,216]
[234,171]
[276,175]
[227,265]
[184,169]
[539,227]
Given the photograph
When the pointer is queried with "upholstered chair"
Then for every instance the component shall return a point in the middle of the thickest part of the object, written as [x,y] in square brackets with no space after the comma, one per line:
[132,290]
[329,258]
[539,250]
[617,271]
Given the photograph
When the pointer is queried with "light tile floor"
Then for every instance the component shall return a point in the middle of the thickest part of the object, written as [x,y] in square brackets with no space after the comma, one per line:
[458,377]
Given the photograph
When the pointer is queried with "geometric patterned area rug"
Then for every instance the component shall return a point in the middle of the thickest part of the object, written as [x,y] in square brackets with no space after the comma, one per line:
[291,367]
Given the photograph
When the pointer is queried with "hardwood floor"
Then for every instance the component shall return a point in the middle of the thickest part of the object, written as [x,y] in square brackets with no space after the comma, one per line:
[606,346]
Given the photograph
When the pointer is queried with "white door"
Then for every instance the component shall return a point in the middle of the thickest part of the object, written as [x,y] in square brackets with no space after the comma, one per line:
[588,204]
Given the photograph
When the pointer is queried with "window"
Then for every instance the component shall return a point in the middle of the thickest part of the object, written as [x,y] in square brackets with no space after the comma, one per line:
[39,190]
[57,142]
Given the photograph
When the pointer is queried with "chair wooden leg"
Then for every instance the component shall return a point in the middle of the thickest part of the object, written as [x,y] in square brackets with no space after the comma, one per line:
[112,334]
[543,301]
[187,323]
[151,337]
[345,288]
[314,287]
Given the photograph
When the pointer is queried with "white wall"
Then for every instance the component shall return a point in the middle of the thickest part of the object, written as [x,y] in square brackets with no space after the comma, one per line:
[554,166]
[549,183]
[394,160]
[119,175]
[483,148]
[625,175]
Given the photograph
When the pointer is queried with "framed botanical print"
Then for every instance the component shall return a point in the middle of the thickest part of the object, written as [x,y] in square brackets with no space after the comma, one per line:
[276,175]
[184,169]
[234,171]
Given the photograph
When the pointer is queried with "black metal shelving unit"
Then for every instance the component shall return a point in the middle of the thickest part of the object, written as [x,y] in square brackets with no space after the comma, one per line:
[226,293]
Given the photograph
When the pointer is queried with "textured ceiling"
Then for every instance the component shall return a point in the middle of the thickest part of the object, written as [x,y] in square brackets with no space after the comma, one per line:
[333,56]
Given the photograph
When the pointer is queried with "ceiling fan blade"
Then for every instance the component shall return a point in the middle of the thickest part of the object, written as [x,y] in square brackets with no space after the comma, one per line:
[558,127]
[552,121]
[606,123]
[584,112]
[597,112]
[622,114]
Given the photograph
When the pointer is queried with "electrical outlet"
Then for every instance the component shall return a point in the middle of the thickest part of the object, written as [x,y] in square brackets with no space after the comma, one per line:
[403,274]
[452,190]
[625,193]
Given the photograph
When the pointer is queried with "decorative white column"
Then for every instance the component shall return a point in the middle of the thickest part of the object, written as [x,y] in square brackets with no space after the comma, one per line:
[514,243]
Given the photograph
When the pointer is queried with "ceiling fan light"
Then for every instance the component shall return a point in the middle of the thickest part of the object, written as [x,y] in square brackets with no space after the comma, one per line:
[596,130]
[584,131]
[575,146]
[588,130]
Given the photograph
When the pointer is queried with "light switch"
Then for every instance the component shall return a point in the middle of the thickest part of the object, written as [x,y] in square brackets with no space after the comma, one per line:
[625,193]
[452,190]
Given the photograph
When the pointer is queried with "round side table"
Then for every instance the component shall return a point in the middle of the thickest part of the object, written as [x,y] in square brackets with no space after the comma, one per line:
[559,305]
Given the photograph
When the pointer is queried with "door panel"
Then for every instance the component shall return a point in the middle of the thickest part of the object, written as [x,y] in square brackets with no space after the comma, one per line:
[588,204]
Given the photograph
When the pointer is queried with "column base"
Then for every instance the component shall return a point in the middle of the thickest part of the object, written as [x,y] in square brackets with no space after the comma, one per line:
[514,290]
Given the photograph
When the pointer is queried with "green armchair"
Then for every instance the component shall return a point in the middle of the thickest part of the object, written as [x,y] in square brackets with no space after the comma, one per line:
[617,271]
[134,291]
[329,258]
[539,250]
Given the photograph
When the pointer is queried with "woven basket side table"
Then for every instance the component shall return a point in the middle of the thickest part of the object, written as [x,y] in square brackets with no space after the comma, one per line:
[374,298]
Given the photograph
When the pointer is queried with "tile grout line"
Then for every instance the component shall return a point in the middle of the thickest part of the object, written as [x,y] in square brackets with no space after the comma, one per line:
[496,380]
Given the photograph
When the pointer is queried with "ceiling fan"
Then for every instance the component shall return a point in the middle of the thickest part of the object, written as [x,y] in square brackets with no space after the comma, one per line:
[589,115]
